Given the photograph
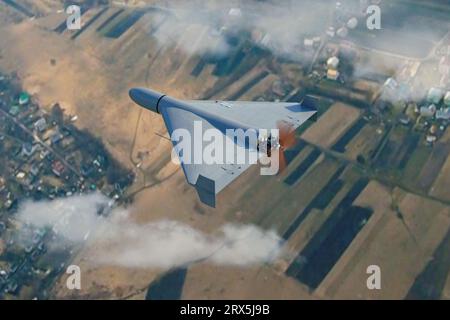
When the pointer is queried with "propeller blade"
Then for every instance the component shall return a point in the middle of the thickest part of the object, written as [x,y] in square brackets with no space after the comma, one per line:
[287,134]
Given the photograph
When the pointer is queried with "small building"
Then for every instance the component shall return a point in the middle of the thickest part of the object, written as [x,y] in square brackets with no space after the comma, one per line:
[352,23]
[2,184]
[11,287]
[58,168]
[428,112]
[43,154]
[435,95]
[28,149]
[9,203]
[24,98]
[405,120]
[391,84]
[433,129]
[35,169]
[331,32]
[447,99]
[266,40]
[443,114]
[333,63]
[40,125]
[431,138]
[14,110]
[87,170]
[411,110]
[20,175]
[56,137]
[332,74]
[235,12]
[316,41]
[342,32]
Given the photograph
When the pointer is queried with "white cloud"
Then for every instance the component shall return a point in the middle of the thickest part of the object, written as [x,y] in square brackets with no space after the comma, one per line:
[161,244]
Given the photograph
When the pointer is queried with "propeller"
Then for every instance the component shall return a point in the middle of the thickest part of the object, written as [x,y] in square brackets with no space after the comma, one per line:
[286,140]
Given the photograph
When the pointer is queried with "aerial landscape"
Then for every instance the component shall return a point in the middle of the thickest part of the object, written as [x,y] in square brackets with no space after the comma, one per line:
[87,179]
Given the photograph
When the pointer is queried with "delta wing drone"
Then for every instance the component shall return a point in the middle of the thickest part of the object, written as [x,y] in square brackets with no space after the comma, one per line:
[191,116]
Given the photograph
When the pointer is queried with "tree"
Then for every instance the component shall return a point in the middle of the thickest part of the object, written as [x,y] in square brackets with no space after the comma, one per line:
[57,114]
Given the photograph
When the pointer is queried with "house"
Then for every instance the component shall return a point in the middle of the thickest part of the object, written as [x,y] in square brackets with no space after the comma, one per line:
[24,98]
[428,112]
[316,41]
[433,129]
[56,137]
[443,114]
[40,125]
[405,120]
[333,63]
[332,74]
[43,154]
[20,175]
[266,40]
[352,23]
[391,84]
[58,168]
[12,287]
[235,12]
[342,32]
[331,32]
[35,169]
[2,184]
[28,149]
[87,170]
[14,110]
[447,99]
[431,138]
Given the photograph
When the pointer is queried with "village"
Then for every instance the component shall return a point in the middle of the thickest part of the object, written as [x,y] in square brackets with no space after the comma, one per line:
[43,157]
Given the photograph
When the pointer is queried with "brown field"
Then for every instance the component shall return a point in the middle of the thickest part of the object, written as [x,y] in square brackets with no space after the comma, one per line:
[400,249]
[363,143]
[261,283]
[441,185]
[316,218]
[331,125]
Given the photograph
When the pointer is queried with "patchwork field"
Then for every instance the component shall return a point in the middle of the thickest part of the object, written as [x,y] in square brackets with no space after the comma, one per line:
[331,125]
[356,192]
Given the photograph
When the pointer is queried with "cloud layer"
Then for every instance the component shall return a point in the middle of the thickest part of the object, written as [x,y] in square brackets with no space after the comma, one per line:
[160,244]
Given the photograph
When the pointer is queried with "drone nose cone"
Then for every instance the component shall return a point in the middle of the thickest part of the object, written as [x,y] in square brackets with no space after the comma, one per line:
[146,98]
